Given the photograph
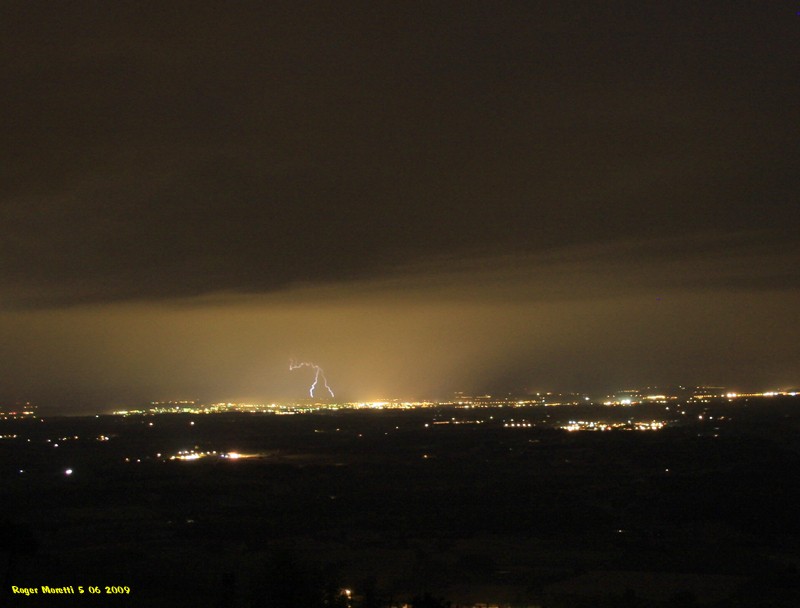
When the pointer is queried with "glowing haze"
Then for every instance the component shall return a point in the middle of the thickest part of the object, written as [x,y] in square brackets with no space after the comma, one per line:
[581,320]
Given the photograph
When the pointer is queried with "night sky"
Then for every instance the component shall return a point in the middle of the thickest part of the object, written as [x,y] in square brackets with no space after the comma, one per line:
[420,197]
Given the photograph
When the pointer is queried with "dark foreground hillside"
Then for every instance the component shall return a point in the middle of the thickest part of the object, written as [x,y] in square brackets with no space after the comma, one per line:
[376,509]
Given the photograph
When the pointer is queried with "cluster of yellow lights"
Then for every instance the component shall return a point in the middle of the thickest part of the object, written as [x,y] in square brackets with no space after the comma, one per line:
[27,413]
[454,421]
[583,425]
[638,400]
[72,438]
[485,401]
[734,395]
[188,456]
[194,455]
[271,408]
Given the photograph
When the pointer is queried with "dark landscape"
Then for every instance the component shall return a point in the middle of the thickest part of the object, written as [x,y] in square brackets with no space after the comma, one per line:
[451,502]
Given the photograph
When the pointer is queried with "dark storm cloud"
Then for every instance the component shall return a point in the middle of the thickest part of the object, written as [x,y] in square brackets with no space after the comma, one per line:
[156,151]
[421,197]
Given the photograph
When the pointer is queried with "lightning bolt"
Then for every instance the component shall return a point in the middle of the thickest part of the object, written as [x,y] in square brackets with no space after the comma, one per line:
[318,373]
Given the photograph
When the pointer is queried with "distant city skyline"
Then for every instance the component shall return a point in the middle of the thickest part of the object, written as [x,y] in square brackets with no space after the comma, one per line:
[626,396]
